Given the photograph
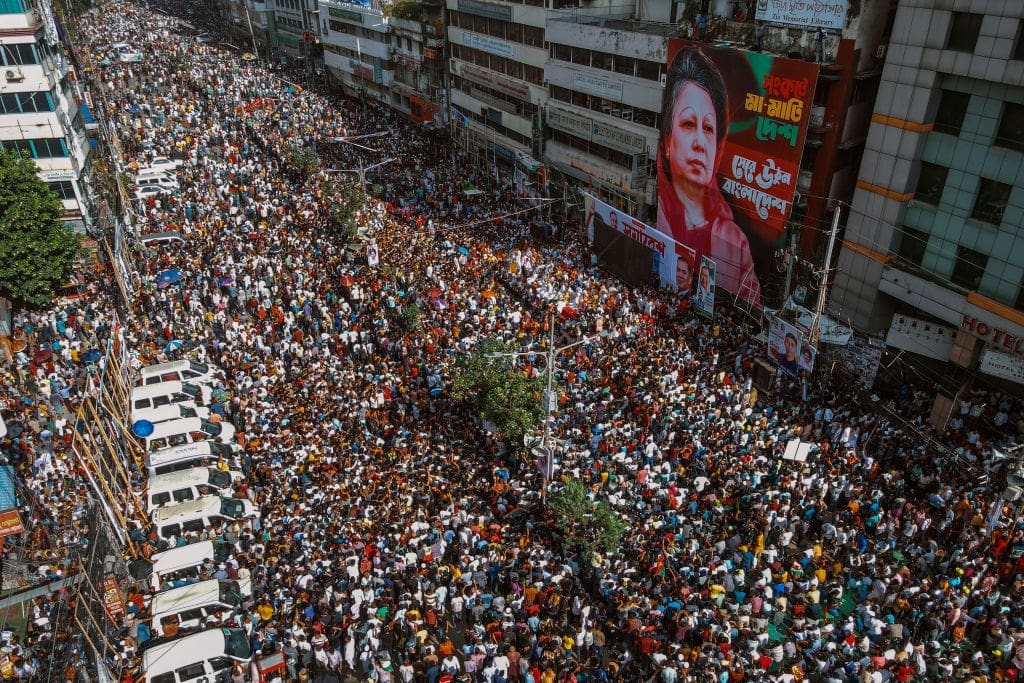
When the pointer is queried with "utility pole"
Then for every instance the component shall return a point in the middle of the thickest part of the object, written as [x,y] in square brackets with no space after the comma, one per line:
[789,267]
[823,293]
[549,402]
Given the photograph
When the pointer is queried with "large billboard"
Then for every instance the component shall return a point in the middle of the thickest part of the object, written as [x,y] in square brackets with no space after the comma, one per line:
[635,251]
[732,133]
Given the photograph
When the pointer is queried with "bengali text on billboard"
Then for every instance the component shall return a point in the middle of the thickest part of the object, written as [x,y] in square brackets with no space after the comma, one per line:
[734,124]
[673,263]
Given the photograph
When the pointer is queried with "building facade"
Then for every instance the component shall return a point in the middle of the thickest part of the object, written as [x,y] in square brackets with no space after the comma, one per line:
[935,236]
[41,113]
[496,73]
[357,47]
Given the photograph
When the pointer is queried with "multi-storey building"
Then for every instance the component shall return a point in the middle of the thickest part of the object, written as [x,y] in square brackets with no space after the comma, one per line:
[605,83]
[417,50]
[935,238]
[357,47]
[40,112]
[496,71]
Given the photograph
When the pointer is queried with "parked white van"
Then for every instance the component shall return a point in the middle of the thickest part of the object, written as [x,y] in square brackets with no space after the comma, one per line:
[187,430]
[178,371]
[155,396]
[178,565]
[207,656]
[186,485]
[191,607]
[196,516]
[198,454]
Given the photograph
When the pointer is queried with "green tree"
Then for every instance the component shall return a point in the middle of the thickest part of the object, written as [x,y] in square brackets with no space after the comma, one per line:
[588,528]
[303,159]
[36,250]
[410,316]
[501,394]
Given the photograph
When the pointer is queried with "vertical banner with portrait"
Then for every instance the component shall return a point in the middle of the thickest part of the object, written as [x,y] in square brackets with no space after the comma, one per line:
[372,255]
[636,251]
[732,134]
[704,299]
[789,348]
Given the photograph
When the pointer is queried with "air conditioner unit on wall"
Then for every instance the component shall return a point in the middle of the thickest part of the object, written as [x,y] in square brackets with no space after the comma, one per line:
[14,74]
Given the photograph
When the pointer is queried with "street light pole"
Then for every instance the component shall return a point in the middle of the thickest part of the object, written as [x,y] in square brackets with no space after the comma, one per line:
[548,399]
[361,171]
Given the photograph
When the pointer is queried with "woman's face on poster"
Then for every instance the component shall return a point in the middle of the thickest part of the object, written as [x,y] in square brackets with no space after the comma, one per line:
[692,145]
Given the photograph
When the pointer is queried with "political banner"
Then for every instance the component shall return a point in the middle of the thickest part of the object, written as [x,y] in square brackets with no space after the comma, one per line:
[704,299]
[789,348]
[732,134]
[372,255]
[10,523]
[649,254]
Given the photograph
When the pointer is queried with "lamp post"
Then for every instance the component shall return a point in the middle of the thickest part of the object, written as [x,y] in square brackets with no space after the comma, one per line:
[361,171]
[548,400]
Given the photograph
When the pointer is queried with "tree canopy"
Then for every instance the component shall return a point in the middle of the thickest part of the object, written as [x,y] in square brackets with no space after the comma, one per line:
[37,250]
[503,395]
[588,528]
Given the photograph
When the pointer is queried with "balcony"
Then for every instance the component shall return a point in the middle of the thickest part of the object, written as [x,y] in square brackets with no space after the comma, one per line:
[21,23]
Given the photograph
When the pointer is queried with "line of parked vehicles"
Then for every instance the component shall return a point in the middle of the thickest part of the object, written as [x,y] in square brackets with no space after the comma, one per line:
[192,466]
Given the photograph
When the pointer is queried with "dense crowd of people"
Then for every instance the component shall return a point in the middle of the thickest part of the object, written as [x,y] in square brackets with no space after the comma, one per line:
[398,539]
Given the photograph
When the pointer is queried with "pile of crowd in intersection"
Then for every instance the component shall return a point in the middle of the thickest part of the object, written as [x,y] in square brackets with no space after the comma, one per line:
[398,540]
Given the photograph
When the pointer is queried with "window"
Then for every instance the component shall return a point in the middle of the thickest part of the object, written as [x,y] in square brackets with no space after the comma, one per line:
[160,499]
[182,495]
[991,201]
[930,183]
[1018,49]
[18,54]
[162,678]
[1011,127]
[913,245]
[1020,299]
[194,526]
[950,114]
[970,266]
[40,148]
[187,673]
[963,31]
[170,530]
[63,189]
[25,102]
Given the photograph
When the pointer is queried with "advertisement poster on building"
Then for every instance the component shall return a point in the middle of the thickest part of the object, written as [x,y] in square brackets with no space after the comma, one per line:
[670,263]
[788,347]
[704,299]
[732,134]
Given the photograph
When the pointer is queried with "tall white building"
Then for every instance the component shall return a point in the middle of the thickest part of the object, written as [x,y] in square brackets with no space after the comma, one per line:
[40,113]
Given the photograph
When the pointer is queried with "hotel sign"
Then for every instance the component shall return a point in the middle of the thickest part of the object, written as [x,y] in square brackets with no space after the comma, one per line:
[990,334]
